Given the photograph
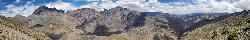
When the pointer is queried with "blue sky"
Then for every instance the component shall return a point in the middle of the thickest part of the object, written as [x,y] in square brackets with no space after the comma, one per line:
[26,7]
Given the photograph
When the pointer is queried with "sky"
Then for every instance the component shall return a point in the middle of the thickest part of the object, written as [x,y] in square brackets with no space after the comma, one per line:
[11,8]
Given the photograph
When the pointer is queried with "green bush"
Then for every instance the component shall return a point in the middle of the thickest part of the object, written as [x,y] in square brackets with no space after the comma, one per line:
[214,34]
[232,35]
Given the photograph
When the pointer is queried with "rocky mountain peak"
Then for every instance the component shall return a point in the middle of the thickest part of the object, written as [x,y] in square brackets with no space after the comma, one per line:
[86,11]
[46,9]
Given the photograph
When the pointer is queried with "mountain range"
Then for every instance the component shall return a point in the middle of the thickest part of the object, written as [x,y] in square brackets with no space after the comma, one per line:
[124,24]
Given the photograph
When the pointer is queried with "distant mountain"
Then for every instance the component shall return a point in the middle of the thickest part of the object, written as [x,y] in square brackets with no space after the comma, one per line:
[196,17]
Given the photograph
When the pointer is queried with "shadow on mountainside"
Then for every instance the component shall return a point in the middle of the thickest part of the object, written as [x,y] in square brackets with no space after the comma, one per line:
[102,30]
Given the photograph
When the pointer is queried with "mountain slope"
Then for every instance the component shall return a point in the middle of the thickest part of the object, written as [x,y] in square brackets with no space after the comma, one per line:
[10,30]
[234,26]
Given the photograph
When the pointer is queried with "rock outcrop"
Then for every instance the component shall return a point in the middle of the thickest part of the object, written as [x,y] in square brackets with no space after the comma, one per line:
[46,9]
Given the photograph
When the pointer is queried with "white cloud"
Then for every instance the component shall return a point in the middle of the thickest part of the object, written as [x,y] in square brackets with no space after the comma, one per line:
[17,1]
[77,0]
[61,5]
[28,8]
[10,6]
[106,4]
[179,6]
[243,4]
[92,0]
[13,10]
[199,6]
[8,11]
